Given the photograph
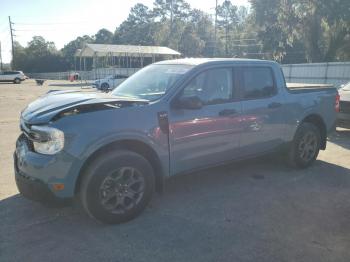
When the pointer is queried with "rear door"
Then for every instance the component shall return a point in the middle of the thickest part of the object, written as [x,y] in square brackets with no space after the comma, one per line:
[210,135]
[263,110]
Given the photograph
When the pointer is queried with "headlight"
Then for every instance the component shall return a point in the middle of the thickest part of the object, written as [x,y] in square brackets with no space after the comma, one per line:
[47,140]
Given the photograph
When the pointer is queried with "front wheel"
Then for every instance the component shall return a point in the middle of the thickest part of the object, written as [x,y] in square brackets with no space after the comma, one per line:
[117,187]
[305,146]
[17,81]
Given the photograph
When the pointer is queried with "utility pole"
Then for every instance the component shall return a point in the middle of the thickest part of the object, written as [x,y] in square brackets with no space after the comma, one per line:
[215,28]
[171,16]
[13,50]
[1,68]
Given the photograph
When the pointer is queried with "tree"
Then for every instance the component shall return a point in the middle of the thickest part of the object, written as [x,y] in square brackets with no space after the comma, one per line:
[38,46]
[204,29]
[69,50]
[103,36]
[227,20]
[140,14]
[171,9]
[39,56]
[190,44]
[321,27]
[137,29]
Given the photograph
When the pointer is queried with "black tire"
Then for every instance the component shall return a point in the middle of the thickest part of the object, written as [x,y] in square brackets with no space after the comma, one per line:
[100,172]
[302,153]
[105,87]
[17,81]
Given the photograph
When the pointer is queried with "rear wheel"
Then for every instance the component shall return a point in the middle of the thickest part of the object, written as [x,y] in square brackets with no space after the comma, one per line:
[117,187]
[17,81]
[305,146]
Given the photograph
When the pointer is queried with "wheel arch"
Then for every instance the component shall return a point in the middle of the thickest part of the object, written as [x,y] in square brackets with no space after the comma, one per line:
[317,120]
[133,145]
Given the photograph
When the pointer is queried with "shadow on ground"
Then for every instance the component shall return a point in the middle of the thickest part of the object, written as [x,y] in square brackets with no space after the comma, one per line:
[258,210]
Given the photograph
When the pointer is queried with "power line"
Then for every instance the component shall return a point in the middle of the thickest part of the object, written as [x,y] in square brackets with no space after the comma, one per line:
[52,23]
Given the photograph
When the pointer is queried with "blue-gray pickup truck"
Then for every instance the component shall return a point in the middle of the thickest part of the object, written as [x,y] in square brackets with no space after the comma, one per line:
[113,150]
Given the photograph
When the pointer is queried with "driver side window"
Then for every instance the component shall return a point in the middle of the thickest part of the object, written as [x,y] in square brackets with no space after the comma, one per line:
[213,86]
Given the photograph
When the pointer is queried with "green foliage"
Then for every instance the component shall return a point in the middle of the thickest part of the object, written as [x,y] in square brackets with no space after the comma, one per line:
[71,48]
[289,31]
[38,56]
[320,27]
[190,44]
[103,36]
[162,9]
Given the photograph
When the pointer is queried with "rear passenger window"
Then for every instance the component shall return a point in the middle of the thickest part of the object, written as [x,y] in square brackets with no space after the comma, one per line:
[257,82]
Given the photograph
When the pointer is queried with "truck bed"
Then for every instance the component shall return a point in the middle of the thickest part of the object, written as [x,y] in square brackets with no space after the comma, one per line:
[305,85]
[297,88]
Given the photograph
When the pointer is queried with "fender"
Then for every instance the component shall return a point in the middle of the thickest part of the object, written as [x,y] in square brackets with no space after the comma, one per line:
[161,151]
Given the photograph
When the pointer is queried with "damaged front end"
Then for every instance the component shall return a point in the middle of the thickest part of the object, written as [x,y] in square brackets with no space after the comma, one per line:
[38,118]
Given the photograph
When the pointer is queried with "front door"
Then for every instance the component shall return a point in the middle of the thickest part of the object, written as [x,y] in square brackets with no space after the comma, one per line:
[209,135]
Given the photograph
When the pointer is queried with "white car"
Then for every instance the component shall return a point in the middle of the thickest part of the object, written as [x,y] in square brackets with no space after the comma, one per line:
[110,82]
[12,76]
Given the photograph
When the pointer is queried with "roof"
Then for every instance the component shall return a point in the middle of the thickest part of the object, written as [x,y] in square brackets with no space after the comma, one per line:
[198,61]
[90,50]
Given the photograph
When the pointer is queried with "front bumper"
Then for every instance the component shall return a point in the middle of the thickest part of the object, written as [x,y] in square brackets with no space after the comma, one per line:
[37,174]
[343,120]
[32,188]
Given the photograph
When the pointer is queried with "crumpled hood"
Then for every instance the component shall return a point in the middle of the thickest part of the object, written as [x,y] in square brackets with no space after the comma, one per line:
[47,106]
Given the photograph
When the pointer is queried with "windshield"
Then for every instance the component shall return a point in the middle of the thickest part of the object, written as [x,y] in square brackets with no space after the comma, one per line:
[346,87]
[151,82]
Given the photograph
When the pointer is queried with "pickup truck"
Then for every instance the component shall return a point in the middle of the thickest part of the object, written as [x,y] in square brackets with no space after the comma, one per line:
[113,150]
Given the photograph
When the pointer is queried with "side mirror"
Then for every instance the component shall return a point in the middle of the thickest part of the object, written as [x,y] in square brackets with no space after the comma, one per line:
[192,102]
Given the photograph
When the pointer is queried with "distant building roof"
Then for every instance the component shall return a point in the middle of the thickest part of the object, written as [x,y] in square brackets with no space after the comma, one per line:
[90,50]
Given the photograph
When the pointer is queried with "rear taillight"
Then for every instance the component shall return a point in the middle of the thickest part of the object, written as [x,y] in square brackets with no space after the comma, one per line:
[337,103]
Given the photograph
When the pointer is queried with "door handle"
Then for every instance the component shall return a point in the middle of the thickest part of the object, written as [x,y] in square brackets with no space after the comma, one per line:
[228,112]
[274,105]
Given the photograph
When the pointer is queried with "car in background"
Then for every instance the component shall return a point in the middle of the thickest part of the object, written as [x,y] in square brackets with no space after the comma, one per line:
[12,76]
[343,117]
[110,82]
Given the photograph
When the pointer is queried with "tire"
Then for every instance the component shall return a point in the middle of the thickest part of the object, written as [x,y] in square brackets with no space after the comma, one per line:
[17,81]
[105,87]
[108,186]
[305,146]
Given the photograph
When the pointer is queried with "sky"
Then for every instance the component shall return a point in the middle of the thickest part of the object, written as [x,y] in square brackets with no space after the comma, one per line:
[61,21]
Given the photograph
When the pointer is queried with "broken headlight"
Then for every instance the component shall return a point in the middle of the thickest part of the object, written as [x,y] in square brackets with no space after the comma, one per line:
[47,140]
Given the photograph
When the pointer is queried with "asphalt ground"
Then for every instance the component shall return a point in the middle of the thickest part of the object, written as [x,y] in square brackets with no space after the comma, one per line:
[256,210]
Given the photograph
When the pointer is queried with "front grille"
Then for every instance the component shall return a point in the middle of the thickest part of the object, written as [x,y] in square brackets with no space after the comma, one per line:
[344,106]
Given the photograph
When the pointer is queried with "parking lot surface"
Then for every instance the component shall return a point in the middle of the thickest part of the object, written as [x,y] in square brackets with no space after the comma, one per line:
[256,210]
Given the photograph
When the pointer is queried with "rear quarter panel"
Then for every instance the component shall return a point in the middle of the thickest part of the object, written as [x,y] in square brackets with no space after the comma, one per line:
[303,103]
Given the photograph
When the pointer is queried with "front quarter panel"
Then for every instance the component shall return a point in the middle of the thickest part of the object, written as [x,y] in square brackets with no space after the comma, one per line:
[86,133]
